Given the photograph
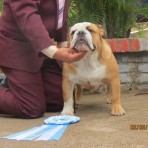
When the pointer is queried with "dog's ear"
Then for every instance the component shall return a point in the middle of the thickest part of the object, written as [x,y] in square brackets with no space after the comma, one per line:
[101,29]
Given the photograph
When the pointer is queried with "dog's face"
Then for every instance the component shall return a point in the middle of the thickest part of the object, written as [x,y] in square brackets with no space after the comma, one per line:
[84,36]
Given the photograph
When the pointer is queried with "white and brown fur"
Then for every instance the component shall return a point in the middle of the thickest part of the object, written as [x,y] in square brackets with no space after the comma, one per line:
[97,67]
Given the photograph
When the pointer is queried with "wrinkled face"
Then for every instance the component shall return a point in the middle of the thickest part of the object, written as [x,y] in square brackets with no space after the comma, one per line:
[84,35]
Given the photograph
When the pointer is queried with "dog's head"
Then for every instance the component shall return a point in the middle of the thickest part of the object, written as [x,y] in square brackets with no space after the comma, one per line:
[85,36]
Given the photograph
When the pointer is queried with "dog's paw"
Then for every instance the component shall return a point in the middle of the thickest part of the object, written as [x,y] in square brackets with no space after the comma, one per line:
[117,110]
[68,111]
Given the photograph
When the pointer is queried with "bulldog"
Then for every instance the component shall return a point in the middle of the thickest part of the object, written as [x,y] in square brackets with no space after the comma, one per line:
[97,67]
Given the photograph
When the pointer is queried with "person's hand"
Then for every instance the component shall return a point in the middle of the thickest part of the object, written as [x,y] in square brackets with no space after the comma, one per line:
[68,55]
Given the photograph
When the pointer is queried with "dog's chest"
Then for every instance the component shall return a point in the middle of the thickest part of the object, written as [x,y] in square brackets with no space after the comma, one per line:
[89,70]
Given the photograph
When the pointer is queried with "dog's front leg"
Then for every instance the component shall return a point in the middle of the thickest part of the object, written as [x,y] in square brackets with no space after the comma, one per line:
[116,109]
[68,88]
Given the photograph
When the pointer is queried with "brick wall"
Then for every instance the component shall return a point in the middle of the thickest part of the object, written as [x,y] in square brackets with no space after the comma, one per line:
[133,67]
[132,57]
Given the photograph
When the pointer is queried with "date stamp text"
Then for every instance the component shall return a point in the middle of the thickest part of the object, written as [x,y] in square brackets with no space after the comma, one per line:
[139,127]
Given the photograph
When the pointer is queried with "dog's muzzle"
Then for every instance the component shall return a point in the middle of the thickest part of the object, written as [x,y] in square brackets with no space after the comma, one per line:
[82,42]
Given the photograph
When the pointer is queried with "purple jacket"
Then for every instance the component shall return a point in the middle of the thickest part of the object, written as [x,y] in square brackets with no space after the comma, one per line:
[27,27]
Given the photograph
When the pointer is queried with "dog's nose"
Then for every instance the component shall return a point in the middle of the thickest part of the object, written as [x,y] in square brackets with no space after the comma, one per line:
[81,33]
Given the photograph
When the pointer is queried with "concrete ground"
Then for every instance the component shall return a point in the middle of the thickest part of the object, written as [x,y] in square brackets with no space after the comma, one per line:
[97,128]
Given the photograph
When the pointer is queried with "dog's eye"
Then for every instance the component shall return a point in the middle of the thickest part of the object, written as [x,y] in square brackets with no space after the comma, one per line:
[90,30]
[72,33]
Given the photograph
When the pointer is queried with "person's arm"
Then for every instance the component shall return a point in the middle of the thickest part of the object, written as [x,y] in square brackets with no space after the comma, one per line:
[30,23]
[63,54]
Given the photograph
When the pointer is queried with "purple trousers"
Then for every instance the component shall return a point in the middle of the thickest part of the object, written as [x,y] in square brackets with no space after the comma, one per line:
[30,95]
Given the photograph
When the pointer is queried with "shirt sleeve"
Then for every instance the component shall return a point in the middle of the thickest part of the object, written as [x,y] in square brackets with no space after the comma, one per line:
[30,23]
[51,50]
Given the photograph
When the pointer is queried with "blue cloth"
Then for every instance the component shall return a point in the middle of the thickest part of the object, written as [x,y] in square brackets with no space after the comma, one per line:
[61,120]
[53,129]
[43,132]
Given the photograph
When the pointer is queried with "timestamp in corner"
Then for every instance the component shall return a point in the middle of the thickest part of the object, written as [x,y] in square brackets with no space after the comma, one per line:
[139,127]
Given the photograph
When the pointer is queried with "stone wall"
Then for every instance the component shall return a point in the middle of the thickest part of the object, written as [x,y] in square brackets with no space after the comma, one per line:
[132,57]
[133,67]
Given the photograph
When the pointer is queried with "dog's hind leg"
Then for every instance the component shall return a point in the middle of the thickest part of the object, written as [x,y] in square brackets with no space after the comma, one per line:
[76,96]
[108,100]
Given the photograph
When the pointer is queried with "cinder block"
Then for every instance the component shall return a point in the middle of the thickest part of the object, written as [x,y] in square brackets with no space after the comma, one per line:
[143,67]
[125,58]
[143,78]
[123,68]
[124,78]
[143,44]
[133,68]
[118,57]
[131,57]
[145,57]
[125,87]
[143,86]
